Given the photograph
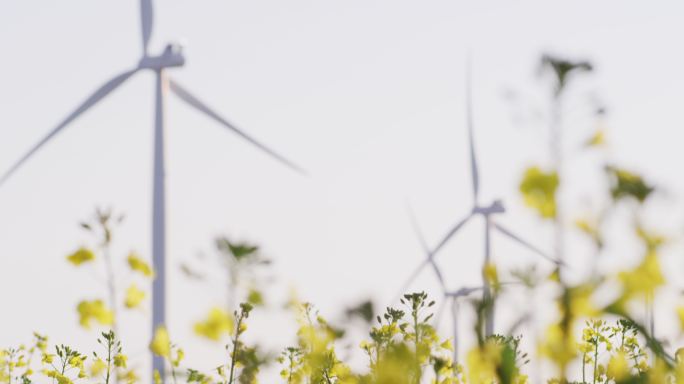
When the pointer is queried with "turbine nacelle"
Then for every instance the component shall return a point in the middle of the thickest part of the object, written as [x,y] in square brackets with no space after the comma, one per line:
[172,56]
[495,207]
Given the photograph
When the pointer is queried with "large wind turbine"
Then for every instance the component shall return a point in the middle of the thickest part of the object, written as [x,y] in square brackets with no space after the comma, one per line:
[486,211]
[171,57]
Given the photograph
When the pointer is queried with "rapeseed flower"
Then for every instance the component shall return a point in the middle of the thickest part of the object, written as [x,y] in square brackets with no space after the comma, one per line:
[81,256]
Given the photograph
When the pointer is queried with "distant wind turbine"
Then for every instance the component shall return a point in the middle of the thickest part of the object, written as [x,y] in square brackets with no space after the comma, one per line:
[486,211]
[172,56]
[448,295]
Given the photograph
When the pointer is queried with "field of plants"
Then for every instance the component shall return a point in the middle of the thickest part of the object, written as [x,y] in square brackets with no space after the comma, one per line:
[603,328]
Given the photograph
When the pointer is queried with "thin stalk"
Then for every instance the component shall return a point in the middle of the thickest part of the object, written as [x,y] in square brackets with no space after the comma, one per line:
[109,360]
[9,367]
[173,372]
[111,285]
[233,357]
[595,361]
[557,163]
[415,328]
[327,378]
[289,376]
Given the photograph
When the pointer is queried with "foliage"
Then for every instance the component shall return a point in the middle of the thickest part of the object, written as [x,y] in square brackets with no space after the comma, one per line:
[588,340]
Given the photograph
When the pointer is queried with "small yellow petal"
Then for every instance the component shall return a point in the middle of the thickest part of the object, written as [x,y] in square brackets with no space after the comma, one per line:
[134,296]
[217,323]
[82,255]
[120,360]
[161,343]
[539,191]
[94,310]
[139,265]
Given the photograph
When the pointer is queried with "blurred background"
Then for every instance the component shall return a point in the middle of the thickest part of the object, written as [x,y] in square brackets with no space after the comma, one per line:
[368,96]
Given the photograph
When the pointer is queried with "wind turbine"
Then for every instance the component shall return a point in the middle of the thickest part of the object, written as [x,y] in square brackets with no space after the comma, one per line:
[486,211]
[171,57]
[453,296]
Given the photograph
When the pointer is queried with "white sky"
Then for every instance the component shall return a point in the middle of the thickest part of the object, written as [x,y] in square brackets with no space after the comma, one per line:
[366,95]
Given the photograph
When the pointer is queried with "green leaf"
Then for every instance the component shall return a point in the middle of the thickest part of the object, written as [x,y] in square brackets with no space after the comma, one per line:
[626,184]
[238,250]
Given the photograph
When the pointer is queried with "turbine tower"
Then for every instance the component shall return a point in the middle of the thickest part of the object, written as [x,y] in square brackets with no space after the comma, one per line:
[486,211]
[171,57]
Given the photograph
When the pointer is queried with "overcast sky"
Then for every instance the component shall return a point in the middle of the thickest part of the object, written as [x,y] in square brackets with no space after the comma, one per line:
[367,95]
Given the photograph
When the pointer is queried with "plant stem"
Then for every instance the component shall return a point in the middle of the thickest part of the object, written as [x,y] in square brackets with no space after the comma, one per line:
[109,360]
[173,372]
[235,348]
[415,329]
[596,360]
[9,367]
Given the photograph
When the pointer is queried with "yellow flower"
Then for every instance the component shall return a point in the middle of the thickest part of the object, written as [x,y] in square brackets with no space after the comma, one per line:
[120,360]
[558,345]
[41,341]
[94,310]
[82,255]
[581,302]
[61,379]
[140,265]
[157,377]
[618,367]
[129,377]
[216,324]
[539,191]
[161,344]
[680,315]
[597,139]
[483,362]
[447,345]
[134,296]
[76,362]
[180,354]
[97,367]
[491,275]
[47,358]
[644,279]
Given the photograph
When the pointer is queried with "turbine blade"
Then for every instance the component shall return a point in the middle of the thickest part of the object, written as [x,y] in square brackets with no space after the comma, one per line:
[423,244]
[474,170]
[197,104]
[93,99]
[524,243]
[438,273]
[449,234]
[146,20]
[416,229]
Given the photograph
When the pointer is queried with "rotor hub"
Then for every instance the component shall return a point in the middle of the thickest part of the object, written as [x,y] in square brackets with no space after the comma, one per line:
[172,56]
[496,207]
